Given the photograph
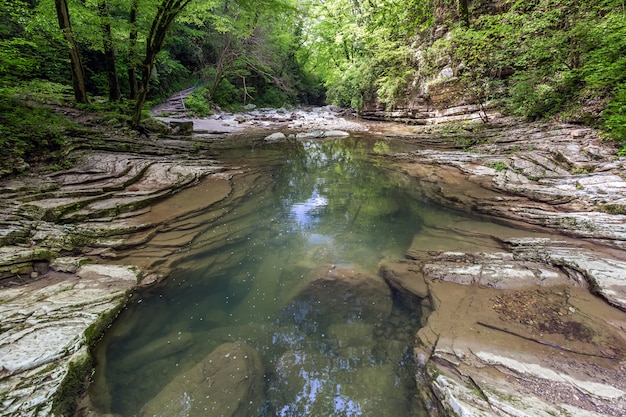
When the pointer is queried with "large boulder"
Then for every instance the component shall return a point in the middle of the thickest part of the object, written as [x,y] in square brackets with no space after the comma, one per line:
[275,137]
[334,294]
[228,382]
[181,127]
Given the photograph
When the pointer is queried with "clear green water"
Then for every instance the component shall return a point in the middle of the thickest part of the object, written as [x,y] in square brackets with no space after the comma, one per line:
[315,204]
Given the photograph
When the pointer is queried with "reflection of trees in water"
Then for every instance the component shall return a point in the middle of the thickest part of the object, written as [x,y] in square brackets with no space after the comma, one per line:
[340,172]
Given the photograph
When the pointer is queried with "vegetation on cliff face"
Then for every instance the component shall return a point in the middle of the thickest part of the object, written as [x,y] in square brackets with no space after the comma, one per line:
[563,59]
[544,58]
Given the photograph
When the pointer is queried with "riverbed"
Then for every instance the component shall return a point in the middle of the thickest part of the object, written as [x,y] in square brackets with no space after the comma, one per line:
[277,251]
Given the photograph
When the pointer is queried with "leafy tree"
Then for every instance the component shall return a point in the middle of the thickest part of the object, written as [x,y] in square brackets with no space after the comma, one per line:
[615,116]
[17,51]
[249,52]
[166,13]
[131,60]
[363,49]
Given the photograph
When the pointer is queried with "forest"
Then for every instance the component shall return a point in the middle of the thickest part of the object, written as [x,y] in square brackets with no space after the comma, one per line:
[563,60]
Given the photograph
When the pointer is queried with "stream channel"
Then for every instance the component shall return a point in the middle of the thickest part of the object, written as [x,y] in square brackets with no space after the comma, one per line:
[315,205]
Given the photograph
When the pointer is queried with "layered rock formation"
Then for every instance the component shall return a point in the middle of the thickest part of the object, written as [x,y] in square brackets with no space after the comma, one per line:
[534,325]
[45,328]
[513,333]
[54,305]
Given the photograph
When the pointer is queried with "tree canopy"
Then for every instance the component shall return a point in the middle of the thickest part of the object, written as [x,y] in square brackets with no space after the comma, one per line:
[563,59]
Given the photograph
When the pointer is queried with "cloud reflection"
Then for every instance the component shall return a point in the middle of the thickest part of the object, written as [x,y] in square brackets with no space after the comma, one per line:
[305,214]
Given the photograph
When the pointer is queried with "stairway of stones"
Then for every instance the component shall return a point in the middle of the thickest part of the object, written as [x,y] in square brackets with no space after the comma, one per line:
[174,105]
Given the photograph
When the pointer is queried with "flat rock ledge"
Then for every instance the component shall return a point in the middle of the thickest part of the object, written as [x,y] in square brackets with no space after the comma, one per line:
[517,332]
[558,176]
[58,237]
[45,328]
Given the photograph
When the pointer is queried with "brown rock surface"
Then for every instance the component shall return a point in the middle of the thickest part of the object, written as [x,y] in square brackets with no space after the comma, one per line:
[228,382]
[531,325]
[338,294]
[517,331]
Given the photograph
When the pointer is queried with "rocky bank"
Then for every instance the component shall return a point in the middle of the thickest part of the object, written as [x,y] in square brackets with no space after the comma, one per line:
[533,326]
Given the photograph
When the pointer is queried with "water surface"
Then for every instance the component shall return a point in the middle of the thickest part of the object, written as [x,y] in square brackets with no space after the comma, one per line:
[317,204]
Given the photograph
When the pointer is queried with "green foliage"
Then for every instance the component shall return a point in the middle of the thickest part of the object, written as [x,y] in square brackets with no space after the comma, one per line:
[546,58]
[226,94]
[272,97]
[28,132]
[40,91]
[531,98]
[615,117]
[169,75]
[498,166]
[352,85]
[244,52]
[362,50]
[198,104]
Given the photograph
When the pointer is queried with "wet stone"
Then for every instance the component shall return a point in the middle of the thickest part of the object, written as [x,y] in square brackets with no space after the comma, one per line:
[337,294]
[228,382]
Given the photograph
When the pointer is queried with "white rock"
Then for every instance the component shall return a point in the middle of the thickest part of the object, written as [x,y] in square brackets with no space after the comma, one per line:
[275,137]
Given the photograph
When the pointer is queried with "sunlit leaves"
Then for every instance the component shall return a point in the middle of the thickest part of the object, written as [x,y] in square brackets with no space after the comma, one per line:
[362,49]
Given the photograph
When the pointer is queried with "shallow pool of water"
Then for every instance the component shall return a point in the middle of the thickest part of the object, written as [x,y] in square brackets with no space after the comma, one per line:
[330,350]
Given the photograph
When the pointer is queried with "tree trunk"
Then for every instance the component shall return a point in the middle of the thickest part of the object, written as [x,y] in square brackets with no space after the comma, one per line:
[167,12]
[109,53]
[464,13]
[132,50]
[78,73]
[142,91]
[222,61]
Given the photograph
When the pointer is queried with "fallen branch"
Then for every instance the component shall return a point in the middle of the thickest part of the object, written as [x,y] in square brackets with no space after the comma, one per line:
[541,342]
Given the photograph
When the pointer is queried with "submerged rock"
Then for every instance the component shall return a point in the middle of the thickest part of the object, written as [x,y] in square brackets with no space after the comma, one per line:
[334,294]
[228,382]
[319,134]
